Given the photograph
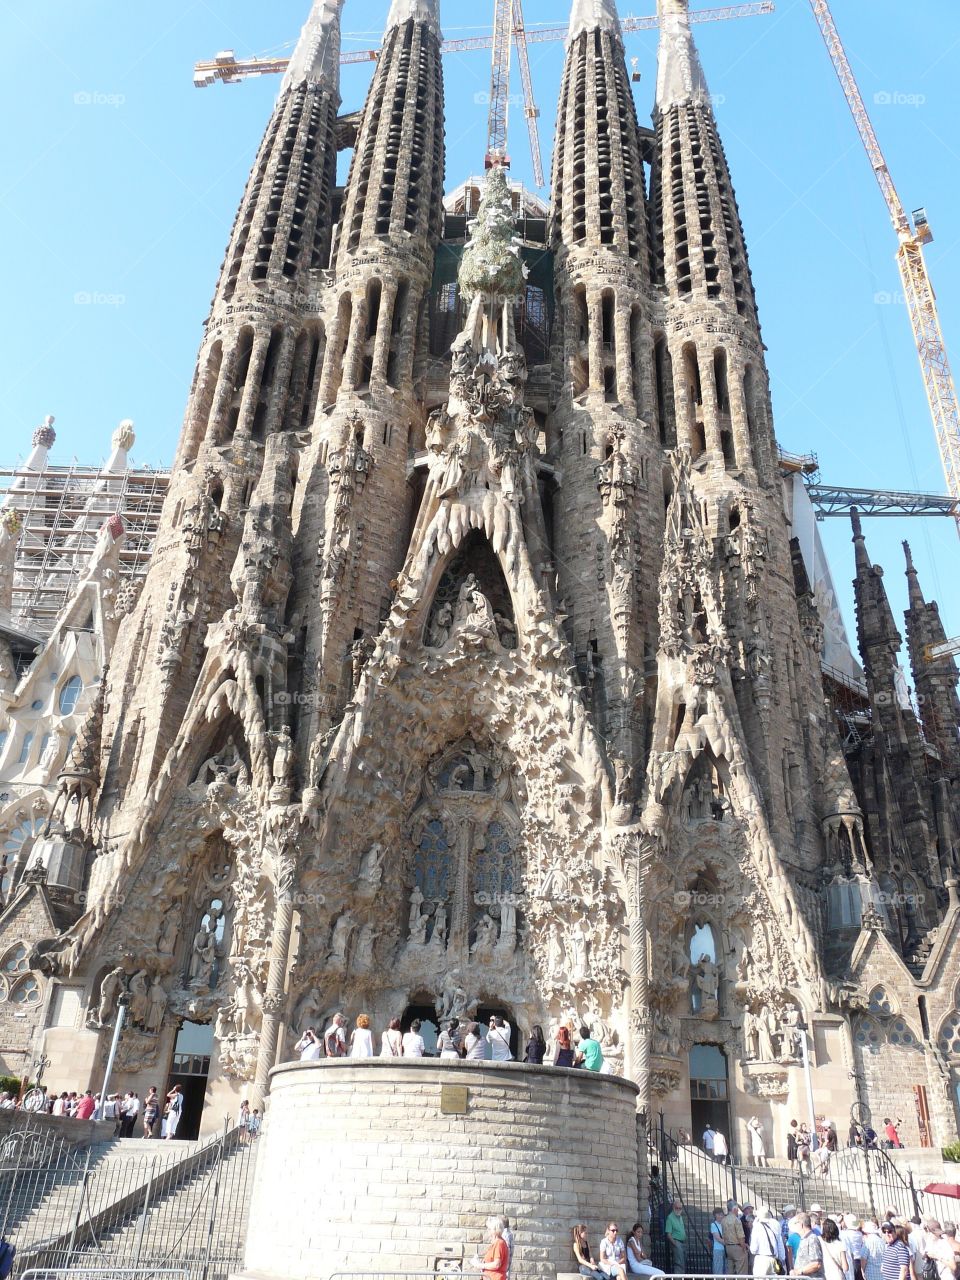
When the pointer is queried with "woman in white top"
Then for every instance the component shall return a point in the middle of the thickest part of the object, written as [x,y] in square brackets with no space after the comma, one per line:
[758,1147]
[413,1046]
[361,1038]
[391,1044]
[638,1264]
[836,1264]
[475,1047]
[447,1042]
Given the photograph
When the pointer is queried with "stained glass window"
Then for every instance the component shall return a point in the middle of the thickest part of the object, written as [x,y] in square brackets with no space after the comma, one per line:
[433,862]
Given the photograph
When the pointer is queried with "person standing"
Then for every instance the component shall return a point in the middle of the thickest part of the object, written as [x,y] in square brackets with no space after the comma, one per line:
[506,1235]
[852,1238]
[708,1139]
[721,1152]
[734,1240]
[896,1256]
[808,1255]
[718,1253]
[309,1046]
[391,1042]
[474,1045]
[766,1245]
[413,1046]
[448,1044]
[836,1261]
[335,1037]
[873,1250]
[792,1144]
[891,1137]
[361,1038]
[151,1112]
[758,1148]
[536,1047]
[675,1229]
[498,1038]
[86,1106]
[174,1111]
[563,1056]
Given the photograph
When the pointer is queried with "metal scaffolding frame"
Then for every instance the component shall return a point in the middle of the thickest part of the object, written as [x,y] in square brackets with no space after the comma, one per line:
[63,509]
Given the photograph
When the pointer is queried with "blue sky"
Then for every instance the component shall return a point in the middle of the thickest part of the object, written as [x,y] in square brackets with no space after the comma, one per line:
[121,181]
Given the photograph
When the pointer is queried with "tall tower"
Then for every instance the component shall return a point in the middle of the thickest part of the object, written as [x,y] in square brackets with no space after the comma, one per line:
[256,376]
[356,510]
[605,420]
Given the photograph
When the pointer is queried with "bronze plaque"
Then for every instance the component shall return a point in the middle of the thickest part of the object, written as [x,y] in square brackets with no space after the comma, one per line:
[453,1099]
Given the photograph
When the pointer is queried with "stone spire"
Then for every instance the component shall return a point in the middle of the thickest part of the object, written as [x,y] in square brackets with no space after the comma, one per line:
[680,77]
[934,680]
[425,11]
[316,58]
[594,15]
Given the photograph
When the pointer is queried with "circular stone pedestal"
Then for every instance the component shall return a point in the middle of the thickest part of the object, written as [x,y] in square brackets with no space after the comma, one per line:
[381,1165]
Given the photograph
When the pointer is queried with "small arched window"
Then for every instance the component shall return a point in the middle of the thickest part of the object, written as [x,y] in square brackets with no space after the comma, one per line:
[69,695]
[26,991]
[15,961]
[25,749]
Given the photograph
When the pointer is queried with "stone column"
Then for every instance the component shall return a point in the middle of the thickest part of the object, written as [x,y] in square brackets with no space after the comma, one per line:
[251,388]
[711,408]
[355,344]
[595,341]
[332,357]
[274,996]
[277,405]
[624,356]
[641,1023]
[224,392]
[738,416]
[381,346]
[684,411]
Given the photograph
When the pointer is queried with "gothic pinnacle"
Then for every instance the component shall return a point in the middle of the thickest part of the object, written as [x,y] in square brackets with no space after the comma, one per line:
[593,15]
[913,582]
[680,76]
[402,11]
[317,55]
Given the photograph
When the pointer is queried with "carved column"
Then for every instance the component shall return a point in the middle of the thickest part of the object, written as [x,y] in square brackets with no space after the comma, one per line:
[595,340]
[624,353]
[381,346]
[273,998]
[738,415]
[251,389]
[640,1020]
[711,409]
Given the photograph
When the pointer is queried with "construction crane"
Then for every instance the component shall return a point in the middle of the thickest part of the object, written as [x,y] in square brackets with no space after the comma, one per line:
[947,649]
[508,28]
[913,234]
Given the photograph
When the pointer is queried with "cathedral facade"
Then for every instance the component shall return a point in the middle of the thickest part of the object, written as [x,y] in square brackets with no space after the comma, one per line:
[475,670]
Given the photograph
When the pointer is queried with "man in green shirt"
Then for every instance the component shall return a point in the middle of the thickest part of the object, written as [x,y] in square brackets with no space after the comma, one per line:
[590,1055]
[676,1232]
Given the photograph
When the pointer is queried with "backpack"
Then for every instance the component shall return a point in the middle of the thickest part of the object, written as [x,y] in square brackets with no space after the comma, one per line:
[930,1269]
[7,1254]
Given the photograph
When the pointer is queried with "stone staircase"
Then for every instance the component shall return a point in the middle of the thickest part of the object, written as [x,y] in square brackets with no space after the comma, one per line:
[133,1200]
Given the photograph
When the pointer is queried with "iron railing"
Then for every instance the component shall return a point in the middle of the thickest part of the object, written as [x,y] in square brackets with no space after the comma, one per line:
[116,1208]
[118,1273]
[863,1182]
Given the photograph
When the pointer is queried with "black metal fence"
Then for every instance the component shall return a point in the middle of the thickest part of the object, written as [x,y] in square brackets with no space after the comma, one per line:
[866,1183]
[117,1207]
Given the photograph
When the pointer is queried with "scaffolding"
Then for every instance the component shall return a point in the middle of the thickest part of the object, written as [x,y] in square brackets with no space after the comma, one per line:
[63,509]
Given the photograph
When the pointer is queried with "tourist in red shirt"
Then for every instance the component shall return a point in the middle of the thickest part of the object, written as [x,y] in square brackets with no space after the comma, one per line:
[86,1106]
[497,1258]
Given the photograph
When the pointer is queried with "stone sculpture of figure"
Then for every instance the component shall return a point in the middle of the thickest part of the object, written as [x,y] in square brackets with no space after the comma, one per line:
[751,1038]
[169,930]
[679,962]
[139,998]
[157,1006]
[508,923]
[486,936]
[363,951]
[416,902]
[439,935]
[283,756]
[370,871]
[418,928]
[790,1033]
[708,984]
[439,631]
[579,945]
[111,988]
[452,1001]
[305,1013]
[767,1033]
[246,1002]
[556,956]
[623,779]
[340,938]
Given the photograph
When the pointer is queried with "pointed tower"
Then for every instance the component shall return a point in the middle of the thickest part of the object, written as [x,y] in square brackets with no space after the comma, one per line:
[354,494]
[895,763]
[605,421]
[257,374]
[935,682]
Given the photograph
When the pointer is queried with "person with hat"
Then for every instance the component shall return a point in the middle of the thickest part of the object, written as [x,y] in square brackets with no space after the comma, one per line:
[873,1249]
[766,1245]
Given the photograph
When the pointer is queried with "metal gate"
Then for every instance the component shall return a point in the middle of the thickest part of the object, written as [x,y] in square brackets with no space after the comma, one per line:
[117,1210]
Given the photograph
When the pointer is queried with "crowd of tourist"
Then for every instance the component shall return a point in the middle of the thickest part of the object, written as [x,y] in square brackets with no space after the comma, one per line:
[457,1041]
[133,1117]
[808,1243]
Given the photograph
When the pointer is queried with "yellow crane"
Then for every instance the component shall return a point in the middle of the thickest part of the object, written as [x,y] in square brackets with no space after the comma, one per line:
[913,233]
[508,27]
[947,649]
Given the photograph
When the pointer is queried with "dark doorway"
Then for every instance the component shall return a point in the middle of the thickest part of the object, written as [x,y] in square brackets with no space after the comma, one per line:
[709,1102]
[428,1025]
[189,1069]
[487,1011]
